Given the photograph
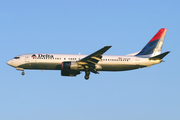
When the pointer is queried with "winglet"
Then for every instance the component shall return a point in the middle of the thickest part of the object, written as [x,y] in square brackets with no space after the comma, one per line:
[159,57]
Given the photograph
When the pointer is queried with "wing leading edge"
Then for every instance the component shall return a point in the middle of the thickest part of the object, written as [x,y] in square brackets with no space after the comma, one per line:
[95,57]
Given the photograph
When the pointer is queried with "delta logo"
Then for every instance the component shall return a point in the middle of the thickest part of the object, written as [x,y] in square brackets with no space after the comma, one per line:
[42,56]
[34,56]
[45,56]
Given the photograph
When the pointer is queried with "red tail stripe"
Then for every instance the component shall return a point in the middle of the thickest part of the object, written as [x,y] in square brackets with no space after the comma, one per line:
[158,35]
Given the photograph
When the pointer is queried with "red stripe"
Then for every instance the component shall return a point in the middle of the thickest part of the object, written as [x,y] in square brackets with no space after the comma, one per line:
[158,35]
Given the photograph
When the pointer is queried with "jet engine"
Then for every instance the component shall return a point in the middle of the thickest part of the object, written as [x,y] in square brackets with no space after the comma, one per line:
[69,72]
[70,66]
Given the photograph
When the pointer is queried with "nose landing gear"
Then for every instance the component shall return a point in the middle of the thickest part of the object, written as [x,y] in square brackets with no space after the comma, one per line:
[21,69]
[23,73]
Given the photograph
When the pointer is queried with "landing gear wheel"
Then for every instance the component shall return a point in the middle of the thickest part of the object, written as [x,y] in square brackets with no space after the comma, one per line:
[23,73]
[86,77]
[87,73]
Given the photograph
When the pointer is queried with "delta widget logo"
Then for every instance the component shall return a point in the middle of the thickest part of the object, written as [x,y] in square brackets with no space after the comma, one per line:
[34,56]
[42,56]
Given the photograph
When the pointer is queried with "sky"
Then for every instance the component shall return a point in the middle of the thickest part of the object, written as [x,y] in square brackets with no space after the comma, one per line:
[85,26]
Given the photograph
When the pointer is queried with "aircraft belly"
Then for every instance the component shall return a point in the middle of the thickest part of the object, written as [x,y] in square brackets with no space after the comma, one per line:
[40,65]
[118,67]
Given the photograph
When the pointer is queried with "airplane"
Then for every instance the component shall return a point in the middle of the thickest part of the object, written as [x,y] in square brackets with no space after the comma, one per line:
[74,64]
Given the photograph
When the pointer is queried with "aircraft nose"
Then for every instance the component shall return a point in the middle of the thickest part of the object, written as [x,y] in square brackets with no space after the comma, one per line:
[9,62]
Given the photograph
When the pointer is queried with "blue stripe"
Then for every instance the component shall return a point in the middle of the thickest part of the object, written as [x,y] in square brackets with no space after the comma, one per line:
[149,48]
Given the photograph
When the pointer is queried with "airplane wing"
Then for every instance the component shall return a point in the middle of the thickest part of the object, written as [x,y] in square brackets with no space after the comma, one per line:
[92,59]
[95,57]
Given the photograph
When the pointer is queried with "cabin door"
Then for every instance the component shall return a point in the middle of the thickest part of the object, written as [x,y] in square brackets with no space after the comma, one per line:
[26,58]
[137,61]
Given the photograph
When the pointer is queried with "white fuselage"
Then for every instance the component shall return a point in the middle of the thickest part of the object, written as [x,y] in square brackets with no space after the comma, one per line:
[72,65]
[54,62]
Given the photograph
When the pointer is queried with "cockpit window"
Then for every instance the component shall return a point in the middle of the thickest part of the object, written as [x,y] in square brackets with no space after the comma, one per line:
[16,57]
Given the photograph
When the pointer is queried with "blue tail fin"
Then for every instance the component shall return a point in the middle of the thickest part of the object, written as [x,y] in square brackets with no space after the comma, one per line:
[154,46]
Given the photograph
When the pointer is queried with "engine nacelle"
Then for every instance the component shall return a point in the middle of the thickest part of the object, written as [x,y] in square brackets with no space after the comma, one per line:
[70,66]
[70,72]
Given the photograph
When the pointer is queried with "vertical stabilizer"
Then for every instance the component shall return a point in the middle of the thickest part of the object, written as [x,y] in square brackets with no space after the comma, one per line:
[154,46]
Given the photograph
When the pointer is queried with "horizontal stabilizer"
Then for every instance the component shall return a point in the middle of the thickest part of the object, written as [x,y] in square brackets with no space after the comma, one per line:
[159,57]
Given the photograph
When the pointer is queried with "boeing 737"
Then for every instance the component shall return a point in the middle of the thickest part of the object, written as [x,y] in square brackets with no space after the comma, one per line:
[72,64]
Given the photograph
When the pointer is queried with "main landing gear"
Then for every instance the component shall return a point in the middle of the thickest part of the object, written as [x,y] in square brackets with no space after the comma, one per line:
[87,73]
